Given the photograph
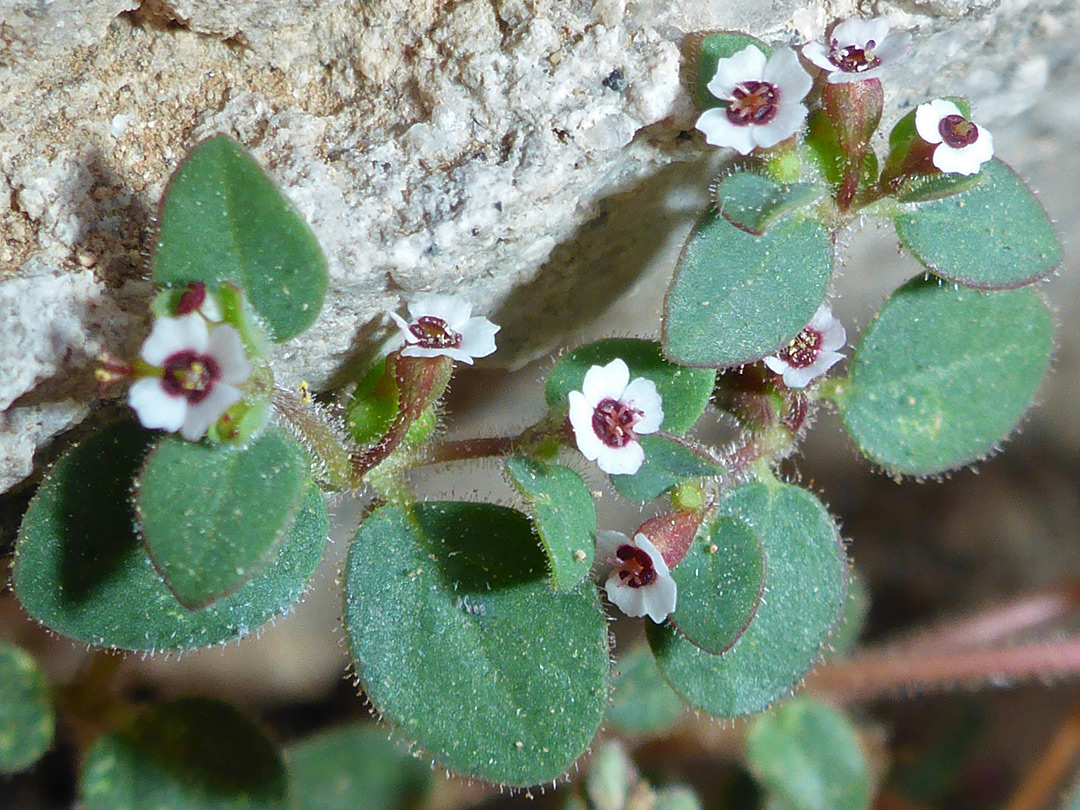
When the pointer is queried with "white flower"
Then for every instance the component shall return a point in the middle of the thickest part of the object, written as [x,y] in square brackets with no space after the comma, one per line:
[812,352]
[608,414]
[639,583]
[764,98]
[962,147]
[441,325]
[859,50]
[200,371]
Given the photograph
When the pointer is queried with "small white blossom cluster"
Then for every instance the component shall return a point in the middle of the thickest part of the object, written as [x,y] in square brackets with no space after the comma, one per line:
[812,352]
[442,325]
[764,95]
[638,580]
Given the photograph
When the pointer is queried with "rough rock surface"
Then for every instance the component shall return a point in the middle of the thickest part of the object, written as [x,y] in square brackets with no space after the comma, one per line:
[515,151]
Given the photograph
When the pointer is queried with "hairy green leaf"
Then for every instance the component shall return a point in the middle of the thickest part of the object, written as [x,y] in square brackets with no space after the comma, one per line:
[460,641]
[943,374]
[667,462]
[81,571]
[736,298]
[222,219]
[752,202]
[564,515]
[642,702]
[805,575]
[27,721]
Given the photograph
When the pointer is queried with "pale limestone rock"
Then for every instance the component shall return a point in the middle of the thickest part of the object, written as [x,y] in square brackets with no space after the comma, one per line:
[517,151]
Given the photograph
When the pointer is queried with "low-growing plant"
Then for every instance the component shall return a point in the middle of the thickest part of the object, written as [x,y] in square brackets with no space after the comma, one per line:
[480,632]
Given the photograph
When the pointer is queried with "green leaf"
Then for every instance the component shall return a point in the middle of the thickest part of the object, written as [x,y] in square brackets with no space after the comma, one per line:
[809,754]
[805,574]
[459,641]
[752,202]
[677,797]
[684,392]
[993,236]
[853,620]
[27,721]
[564,515]
[222,219]
[81,571]
[715,46]
[212,515]
[355,766]
[373,405]
[190,754]
[924,188]
[721,581]
[737,298]
[642,702]
[612,777]
[667,462]
[823,143]
[943,374]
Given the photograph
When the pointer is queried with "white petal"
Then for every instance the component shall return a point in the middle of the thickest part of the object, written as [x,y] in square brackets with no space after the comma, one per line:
[171,335]
[799,377]
[641,395]
[789,117]
[818,54]
[894,48]
[156,408]
[453,309]
[625,460]
[403,325]
[983,148]
[745,65]
[211,308]
[607,543]
[719,130]
[643,542]
[967,160]
[660,598]
[833,336]
[605,382]
[454,354]
[478,337]
[784,71]
[776,364]
[227,347]
[840,77]
[200,417]
[928,118]
[858,32]
[630,601]
[581,416]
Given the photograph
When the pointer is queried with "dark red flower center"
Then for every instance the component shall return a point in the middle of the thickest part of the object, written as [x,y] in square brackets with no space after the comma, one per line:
[434,333]
[614,421]
[957,131]
[753,103]
[852,59]
[636,567]
[191,299]
[803,350]
[190,375]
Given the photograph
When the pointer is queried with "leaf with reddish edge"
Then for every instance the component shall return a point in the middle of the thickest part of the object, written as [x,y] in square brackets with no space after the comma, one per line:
[420,383]
[855,111]
[669,461]
[672,534]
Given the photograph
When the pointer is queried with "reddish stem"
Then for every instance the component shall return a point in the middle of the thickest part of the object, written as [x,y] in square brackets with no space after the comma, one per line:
[474,448]
[1043,783]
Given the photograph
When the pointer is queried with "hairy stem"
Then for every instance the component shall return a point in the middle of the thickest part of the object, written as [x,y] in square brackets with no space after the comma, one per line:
[1044,782]
[325,443]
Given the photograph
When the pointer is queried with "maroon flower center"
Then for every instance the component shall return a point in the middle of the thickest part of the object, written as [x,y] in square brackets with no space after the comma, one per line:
[803,350]
[190,375]
[637,566]
[614,421]
[191,299]
[957,131]
[753,103]
[852,59]
[434,333]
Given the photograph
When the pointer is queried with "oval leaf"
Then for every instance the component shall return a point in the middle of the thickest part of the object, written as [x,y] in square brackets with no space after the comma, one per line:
[191,754]
[752,202]
[809,755]
[642,702]
[81,571]
[684,391]
[223,220]
[667,462]
[355,766]
[943,374]
[721,581]
[27,721]
[806,574]
[993,236]
[459,640]
[563,513]
[211,515]
[737,298]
